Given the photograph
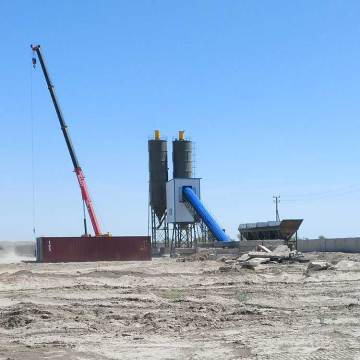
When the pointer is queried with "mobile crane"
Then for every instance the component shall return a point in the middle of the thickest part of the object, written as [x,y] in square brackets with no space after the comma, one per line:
[77,169]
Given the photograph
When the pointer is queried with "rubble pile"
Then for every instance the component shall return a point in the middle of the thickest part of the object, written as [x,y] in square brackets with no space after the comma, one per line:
[319,265]
[195,257]
[254,259]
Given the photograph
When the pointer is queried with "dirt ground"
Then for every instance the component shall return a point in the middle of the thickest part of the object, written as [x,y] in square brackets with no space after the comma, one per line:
[167,309]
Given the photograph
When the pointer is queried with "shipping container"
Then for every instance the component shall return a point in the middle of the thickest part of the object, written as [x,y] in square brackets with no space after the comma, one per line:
[74,249]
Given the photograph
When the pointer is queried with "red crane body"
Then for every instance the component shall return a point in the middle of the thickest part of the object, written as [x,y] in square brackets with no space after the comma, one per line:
[77,169]
[87,199]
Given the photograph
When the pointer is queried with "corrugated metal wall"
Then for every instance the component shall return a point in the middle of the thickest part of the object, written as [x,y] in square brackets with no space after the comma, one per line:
[74,249]
[346,245]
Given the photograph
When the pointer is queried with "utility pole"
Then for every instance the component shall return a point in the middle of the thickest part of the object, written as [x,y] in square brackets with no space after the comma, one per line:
[277,201]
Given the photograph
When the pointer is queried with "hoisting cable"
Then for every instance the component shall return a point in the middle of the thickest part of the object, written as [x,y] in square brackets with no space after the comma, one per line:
[84,214]
[32,123]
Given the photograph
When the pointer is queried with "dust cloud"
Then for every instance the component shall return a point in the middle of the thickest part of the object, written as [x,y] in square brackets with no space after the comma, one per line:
[16,252]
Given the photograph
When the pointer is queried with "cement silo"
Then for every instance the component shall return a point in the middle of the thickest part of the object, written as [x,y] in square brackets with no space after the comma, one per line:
[182,157]
[158,176]
[181,219]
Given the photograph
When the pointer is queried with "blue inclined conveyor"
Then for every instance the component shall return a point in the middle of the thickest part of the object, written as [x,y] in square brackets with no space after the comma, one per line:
[200,209]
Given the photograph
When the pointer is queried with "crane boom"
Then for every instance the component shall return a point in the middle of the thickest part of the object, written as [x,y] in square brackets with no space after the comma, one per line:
[78,171]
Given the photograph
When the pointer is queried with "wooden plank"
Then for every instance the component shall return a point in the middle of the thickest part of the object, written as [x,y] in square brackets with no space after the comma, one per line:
[264,248]
[271,255]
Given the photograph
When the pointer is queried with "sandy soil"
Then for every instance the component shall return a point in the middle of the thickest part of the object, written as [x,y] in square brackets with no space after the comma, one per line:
[166,309]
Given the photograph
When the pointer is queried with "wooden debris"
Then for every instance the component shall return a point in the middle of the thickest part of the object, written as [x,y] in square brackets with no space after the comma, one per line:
[229,262]
[243,258]
[228,268]
[264,248]
[254,263]
[271,255]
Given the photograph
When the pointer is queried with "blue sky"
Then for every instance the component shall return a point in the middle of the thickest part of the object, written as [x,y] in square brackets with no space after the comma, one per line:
[268,91]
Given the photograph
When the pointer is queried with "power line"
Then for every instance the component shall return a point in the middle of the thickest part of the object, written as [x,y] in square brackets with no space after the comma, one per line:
[324,194]
[33,186]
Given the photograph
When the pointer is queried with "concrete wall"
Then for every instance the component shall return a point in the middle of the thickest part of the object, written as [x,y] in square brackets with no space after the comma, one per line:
[250,245]
[348,245]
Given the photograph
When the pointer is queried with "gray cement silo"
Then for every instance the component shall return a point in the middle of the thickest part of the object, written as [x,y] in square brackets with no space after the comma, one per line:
[158,174]
[183,234]
[182,157]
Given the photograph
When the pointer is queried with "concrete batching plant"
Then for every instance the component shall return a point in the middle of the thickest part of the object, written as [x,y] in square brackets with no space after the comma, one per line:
[178,217]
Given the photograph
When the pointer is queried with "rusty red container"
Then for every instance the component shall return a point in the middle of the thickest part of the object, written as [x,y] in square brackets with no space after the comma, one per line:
[74,249]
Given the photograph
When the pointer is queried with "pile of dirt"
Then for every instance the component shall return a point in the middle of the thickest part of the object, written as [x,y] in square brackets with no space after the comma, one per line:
[22,315]
[348,265]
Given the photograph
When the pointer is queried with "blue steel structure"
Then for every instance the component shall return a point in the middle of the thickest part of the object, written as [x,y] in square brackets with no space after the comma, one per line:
[190,196]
